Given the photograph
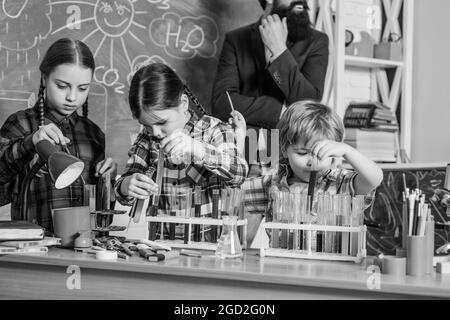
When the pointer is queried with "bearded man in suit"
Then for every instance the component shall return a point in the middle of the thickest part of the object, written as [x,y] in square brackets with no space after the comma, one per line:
[268,65]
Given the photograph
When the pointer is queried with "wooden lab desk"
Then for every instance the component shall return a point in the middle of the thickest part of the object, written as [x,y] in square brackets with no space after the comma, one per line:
[253,278]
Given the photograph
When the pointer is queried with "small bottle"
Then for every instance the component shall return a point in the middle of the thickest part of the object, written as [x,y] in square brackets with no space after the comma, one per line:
[229,245]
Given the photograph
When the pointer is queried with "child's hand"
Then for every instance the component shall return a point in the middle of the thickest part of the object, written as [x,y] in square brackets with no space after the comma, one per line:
[105,166]
[237,120]
[327,148]
[51,133]
[139,186]
[181,148]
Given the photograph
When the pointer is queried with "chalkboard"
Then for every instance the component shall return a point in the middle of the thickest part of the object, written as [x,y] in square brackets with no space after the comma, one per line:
[123,35]
[387,208]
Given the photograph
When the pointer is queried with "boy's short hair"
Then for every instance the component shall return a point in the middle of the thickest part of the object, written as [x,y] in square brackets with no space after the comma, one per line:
[306,120]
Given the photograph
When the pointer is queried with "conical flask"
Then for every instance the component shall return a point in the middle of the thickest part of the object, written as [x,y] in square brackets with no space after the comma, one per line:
[229,246]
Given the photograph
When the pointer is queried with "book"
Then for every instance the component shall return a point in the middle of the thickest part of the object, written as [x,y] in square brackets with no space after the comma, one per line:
[377,145]
[46,242]
[20,230]
[11,250]
[369,115]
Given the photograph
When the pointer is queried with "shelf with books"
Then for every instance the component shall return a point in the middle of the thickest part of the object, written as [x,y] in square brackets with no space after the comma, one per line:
[361,76]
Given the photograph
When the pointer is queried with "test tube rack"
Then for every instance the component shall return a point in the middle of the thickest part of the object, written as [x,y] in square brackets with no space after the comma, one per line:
[190,222]
[359,232]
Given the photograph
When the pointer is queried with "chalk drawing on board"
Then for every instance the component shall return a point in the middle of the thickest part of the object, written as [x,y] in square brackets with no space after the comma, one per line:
[16,96]
[98,105]
[18,24]
[160,4]
[185,37]
[13,100]
[141,61]
[111,29]
[13,12]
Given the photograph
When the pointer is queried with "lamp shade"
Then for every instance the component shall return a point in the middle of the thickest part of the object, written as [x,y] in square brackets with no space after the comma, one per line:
[63,168]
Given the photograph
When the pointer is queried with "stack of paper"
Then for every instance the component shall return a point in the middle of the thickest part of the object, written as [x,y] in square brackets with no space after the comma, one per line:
[380,146]
[28,246]
[20,230]
[19,237]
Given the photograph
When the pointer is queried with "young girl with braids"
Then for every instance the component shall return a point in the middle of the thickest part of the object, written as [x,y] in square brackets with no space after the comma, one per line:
[66,73]
[199,150]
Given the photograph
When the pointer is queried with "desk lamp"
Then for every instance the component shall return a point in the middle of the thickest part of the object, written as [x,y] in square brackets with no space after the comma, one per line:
[63,168]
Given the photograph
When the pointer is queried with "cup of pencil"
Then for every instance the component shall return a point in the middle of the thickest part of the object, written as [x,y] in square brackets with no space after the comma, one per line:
[419,225]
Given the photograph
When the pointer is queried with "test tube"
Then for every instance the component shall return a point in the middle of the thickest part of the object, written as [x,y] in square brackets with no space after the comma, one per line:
[303,211]
[275,209]
[296,218]
[185,210]
[332,222]
[173,211]
[346,222]
[237,202]
[153,211]
[337,222]
[358,206]
[290,218]
[197,212]
[238,208]
[225,202]
[284,216]
[308,243]
[215,213]
[329,220]
[107,191]
[320,221]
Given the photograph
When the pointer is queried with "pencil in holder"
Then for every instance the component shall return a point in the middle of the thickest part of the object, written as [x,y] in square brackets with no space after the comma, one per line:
[405,222]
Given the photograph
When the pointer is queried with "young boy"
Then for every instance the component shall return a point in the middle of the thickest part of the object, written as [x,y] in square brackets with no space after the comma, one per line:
[311,135]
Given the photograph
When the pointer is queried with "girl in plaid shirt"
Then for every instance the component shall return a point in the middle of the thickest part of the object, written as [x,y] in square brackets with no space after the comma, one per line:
[66,73]
[198,151]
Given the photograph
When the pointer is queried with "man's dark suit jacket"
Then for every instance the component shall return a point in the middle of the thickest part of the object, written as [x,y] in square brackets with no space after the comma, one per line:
[259,91]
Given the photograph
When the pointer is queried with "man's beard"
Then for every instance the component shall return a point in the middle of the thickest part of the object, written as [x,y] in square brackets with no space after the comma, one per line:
[298,23]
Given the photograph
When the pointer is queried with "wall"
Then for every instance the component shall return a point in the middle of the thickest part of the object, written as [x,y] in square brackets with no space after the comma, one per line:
[431,84]
[360,18]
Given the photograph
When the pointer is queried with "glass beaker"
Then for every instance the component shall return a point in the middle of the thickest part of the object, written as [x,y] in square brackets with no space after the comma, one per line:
[229,245]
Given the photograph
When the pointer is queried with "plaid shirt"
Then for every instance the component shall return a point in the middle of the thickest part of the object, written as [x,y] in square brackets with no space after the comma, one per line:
[17,156]
[258,190]
[222,166]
